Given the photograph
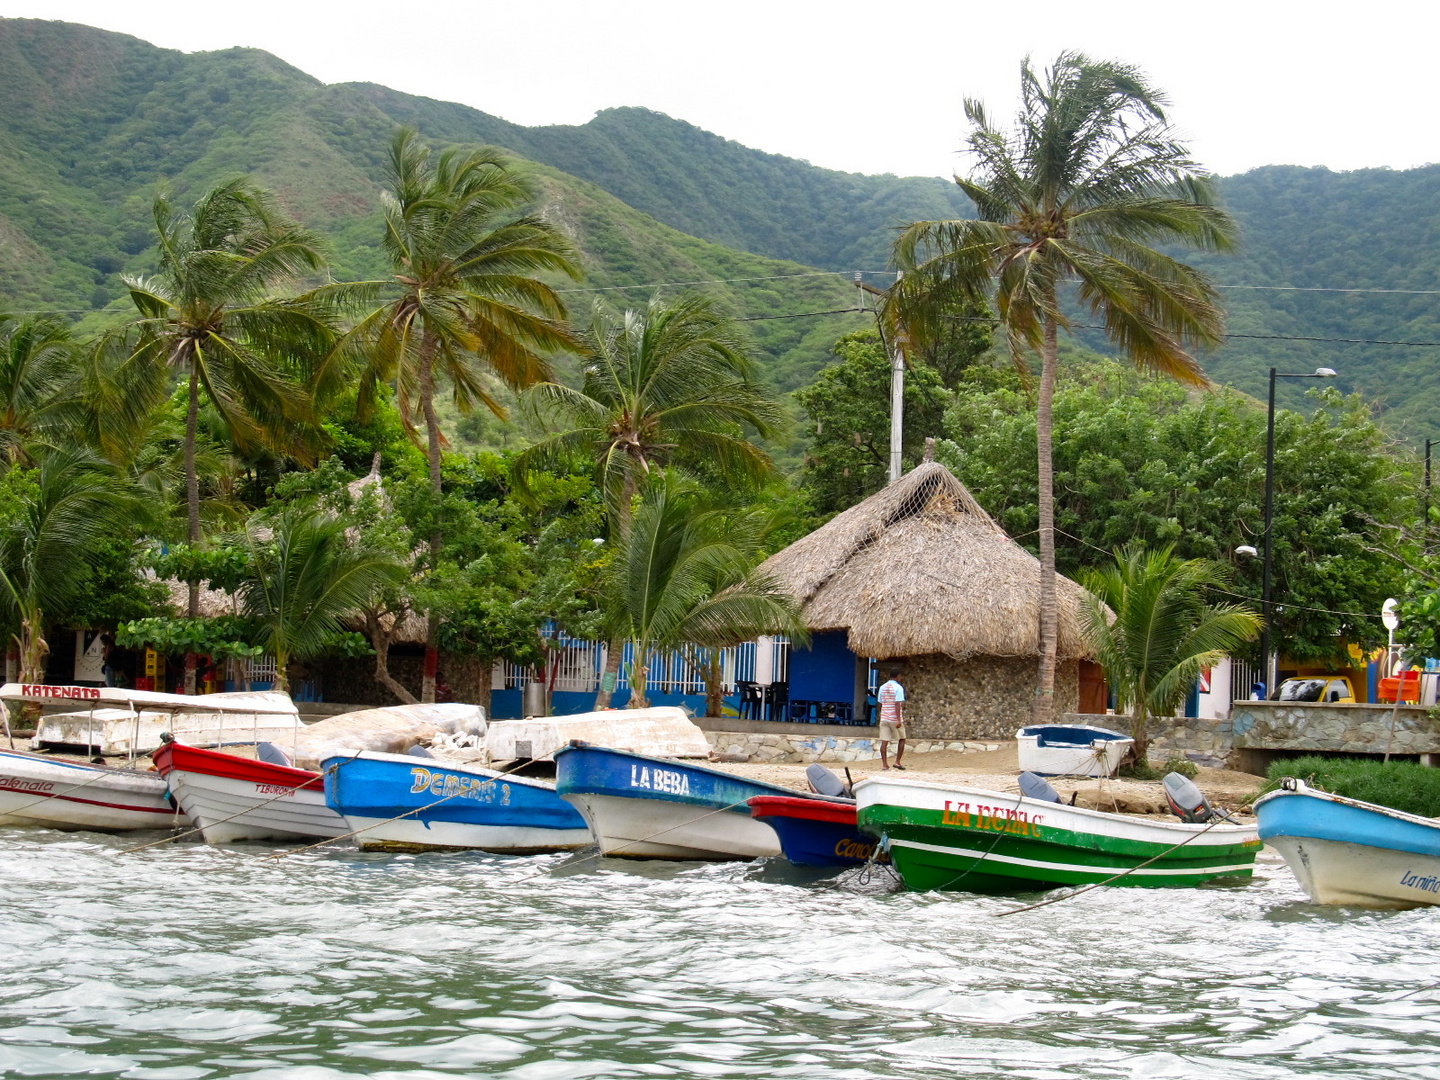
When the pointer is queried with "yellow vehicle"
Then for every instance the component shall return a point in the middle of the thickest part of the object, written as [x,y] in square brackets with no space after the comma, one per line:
[1326,689]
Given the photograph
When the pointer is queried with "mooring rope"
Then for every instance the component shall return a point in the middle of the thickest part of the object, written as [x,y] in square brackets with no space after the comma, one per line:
[1115,877]
[248,810]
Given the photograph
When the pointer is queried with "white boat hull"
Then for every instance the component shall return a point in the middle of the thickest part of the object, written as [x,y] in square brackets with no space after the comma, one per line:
[63,795]
[1358,875]
[656,829]
[1085,756]
[662,731]
[210,800]
[410,835]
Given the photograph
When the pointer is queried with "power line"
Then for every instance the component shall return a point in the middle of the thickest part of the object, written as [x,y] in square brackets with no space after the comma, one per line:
[808,314]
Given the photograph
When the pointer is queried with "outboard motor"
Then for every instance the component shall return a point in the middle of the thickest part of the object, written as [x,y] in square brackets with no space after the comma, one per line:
[1034,786]
[275,755]
[419,751]
[825,782]
[1186,800]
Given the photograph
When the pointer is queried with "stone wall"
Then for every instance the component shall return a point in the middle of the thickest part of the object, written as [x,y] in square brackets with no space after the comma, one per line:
[802,748]
[984,697]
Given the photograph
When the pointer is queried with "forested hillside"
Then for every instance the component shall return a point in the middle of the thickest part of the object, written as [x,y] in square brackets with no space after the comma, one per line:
[91,122]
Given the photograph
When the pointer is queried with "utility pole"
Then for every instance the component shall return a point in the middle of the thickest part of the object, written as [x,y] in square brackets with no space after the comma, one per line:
[897,395]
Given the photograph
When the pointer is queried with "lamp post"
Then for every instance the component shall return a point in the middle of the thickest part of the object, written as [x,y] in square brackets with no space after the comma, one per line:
[1266,660]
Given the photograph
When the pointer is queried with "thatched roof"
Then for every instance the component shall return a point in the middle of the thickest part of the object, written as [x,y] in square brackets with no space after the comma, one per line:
[919,568]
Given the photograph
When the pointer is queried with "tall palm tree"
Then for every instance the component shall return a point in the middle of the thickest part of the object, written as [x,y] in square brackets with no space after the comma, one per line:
[465,299]
[670,384]
[1153,630]
[211,316]
[1069,207]
[681,579]
[306,577]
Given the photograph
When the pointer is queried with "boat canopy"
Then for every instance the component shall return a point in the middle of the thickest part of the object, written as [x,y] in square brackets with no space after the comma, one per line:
[112,696]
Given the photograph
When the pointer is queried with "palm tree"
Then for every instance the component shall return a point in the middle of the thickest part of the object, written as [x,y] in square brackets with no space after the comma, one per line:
[64,507]
[465,299]
[37,364]
[1069,206]
[306,576]
[1153,631]
[684,576]
[670,384]
[210,315]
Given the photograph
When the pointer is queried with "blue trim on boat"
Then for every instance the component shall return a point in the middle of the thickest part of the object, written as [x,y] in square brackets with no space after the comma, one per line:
[594,770]
[387,785]
[1308,815]
[819,843]
[1069,735]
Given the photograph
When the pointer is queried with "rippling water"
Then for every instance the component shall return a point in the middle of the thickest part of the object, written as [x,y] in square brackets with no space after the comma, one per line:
[186,962]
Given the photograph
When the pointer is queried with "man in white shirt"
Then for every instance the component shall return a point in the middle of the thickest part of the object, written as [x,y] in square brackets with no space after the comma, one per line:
[891,697]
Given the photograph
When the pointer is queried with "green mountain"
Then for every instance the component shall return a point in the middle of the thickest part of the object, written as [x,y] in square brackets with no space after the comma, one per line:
[91,122]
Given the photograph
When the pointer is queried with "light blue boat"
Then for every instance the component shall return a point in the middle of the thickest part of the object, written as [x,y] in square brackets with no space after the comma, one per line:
[1344,851]
[659,808]
[403,803]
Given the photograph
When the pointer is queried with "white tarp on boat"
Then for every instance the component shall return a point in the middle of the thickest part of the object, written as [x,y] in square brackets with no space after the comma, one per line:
[201,720]
[393,729]
[664,731]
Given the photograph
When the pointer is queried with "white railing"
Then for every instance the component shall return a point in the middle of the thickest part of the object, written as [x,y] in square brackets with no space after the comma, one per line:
[577,665]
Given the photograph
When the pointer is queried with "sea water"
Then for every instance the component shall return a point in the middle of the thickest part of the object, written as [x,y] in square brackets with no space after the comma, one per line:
[183,962]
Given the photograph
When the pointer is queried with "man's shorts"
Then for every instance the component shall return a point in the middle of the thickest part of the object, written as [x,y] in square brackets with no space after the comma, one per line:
[890,732]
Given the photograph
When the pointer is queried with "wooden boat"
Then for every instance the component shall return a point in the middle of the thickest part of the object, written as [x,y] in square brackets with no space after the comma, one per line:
[1344,851]
[663,731]
[657,808]
[36,789]
[231,798]
[815,831]
[945,837]
[1070,749]
[514,814]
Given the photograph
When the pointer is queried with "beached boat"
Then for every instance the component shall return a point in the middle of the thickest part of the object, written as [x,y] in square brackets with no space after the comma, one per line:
[662,731]
[231,798]
[36,789]
[657,808]
[815,831]
[115,720]
[448,805]
[1071,749]
[946,837]
[1344,851]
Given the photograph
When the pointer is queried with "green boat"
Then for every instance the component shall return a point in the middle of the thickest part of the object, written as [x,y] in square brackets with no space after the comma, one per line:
[970,839]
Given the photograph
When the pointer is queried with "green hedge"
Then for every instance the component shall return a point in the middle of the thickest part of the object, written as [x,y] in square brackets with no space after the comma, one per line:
[1403,785]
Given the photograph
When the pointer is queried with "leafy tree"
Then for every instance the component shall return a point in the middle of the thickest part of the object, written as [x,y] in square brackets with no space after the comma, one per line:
[210,316]
[306,577]
[669,385]
[1148,461]
[1153,629]
[1091,177]
[37,364]
[465,300]
[684,575]
[847,455]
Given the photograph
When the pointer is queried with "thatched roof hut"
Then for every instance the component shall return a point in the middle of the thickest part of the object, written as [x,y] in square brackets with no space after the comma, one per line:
[920,568]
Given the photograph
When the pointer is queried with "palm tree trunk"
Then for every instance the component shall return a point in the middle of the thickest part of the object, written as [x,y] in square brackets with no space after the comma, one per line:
[192,509]
[1044,705]
[610,676]
[432,448]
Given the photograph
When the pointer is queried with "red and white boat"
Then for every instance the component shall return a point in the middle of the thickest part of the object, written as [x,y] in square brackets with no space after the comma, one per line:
[231,798]
[51,793]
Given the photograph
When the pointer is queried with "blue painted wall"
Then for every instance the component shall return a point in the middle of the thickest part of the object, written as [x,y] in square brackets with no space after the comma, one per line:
[508,704]
[825,671]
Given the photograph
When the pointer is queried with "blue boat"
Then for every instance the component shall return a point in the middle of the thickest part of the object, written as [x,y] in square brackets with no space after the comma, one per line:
[816,831]
[659,808]
[1344,851]
[403,803]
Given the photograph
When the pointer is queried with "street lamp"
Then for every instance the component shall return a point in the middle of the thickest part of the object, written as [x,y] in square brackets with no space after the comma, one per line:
[1266,659]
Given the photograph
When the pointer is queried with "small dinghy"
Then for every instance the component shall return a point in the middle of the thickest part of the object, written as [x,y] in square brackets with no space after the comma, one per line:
[1344,851]
[448,805]
[39,790]
[658,808]
[231,798]
[1071,749]
[950,837]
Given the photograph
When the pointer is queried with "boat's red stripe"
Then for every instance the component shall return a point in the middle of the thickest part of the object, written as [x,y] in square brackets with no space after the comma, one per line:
[174,757]
[167,811]
[807,809]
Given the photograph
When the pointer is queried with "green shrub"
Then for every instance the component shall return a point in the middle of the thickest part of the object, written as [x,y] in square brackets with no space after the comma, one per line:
[1402,785]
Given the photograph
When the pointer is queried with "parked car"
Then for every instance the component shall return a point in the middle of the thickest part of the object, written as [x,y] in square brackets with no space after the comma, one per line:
[1328,689]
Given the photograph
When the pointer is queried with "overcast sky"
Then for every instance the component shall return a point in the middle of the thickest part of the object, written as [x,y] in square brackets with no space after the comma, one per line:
[873,87]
